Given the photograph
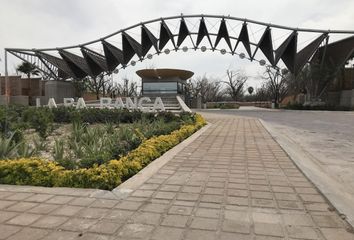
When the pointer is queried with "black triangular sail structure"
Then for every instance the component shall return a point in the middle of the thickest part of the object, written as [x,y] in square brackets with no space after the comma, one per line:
[183,32]
[244,38]
[91,63]
[223,33]
[165,36]
[63,69]
[95,61]
[265,44]
[76,64]
[114,56]
[287,52]
[335,54]
[130,47]
[203,32]
[305,54]
[147,41]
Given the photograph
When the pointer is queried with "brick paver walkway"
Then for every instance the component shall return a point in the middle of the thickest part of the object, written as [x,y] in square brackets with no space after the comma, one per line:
[233,182]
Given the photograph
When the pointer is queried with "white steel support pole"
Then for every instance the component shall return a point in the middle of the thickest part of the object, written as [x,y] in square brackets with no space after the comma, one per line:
[0,76]
[6,79]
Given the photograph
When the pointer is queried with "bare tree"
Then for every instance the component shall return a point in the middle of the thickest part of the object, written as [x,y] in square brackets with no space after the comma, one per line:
[277,83]
[208,89]
[235,84]
[313,80]
[80,86]
[263,93]
[127,89]
[98,84]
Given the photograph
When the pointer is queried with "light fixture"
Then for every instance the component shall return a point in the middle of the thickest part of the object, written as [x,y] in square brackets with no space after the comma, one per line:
[262,62]
[223,51]
[133,63]
[185,49]
[203,48]
[167,51]
[116,71]
[242,55]
[284,71]
[149,56]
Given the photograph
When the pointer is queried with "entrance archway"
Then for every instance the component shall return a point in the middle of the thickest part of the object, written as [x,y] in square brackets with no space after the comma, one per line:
[111,57]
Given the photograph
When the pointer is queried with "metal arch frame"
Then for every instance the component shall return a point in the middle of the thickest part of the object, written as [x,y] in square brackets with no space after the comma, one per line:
[33,52]
[48,73]
[195,16]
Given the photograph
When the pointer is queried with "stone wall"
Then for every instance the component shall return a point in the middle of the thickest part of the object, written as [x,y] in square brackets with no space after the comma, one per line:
[19,100]
[343,98]
[58,90]
[347,98]
[333,98]
[3,100]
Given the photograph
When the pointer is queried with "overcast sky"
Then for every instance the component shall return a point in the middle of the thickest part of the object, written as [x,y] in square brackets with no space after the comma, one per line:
[57,23]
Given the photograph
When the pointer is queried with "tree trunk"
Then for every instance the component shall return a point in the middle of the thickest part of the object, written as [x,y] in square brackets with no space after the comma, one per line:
[97,94]
[29,89]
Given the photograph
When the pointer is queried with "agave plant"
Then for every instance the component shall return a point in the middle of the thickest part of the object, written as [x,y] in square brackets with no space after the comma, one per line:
[24,150]
[39,144]
[65,160]
[76,148]
[109,126]
[58,150]
[8,147]
[78,129]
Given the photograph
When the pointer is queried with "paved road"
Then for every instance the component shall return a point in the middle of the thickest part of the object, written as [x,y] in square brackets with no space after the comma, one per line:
[233,182]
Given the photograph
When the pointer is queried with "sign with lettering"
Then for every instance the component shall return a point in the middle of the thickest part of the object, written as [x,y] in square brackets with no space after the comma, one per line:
[144,104]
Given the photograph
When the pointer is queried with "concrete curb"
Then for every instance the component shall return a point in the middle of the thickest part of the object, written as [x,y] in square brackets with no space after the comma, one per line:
[133,183]
[337,194]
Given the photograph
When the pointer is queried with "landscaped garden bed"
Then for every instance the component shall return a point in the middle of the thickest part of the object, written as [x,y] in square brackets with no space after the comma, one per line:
[89,148]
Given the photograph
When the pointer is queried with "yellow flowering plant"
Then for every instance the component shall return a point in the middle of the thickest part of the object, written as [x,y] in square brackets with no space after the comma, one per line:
[40,172]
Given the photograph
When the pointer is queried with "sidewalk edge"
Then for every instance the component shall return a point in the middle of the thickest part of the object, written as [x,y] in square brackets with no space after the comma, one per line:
[335,193]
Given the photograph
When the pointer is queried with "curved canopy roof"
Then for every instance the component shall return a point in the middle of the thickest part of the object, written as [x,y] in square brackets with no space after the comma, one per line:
[165,73]
[104,55]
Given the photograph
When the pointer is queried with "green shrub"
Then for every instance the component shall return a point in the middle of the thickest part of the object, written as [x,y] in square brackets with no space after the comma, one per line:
[96,115]
[107,176]
[28,171]
[24,117]
[223,105]
[41,119]
[64,114]
[11,122]
[99,177]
